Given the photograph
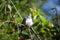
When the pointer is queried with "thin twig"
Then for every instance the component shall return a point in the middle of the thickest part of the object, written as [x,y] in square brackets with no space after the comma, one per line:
[16,10]
[7,21]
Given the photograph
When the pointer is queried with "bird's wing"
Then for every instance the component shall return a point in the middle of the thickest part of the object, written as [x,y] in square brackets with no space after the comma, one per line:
[24,21]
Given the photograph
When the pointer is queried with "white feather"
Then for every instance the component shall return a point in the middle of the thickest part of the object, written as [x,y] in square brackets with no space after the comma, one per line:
[29,21]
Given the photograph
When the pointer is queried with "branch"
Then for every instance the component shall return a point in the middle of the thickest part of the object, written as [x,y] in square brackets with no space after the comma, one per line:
[8,22]
[16,10]
[35,33]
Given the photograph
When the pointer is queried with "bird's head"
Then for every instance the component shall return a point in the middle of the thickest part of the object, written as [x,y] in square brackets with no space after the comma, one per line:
[29,15]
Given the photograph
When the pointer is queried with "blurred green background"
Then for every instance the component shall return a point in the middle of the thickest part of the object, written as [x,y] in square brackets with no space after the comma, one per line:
[13,11]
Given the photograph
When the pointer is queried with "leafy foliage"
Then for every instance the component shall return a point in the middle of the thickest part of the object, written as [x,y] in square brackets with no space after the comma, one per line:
[11,14]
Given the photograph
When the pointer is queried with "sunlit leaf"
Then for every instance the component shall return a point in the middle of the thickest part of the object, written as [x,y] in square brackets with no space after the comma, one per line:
[43,19]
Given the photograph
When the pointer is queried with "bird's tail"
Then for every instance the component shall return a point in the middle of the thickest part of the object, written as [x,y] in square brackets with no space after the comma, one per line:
[35,33]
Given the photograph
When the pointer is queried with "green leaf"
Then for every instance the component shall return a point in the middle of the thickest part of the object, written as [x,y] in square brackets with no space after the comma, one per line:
[43,19]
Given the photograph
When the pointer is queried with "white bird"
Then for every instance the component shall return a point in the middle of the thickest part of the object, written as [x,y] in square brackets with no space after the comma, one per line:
[27,22]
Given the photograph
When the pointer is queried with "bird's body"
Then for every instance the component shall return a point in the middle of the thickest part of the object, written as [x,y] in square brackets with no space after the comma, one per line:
[27,21]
